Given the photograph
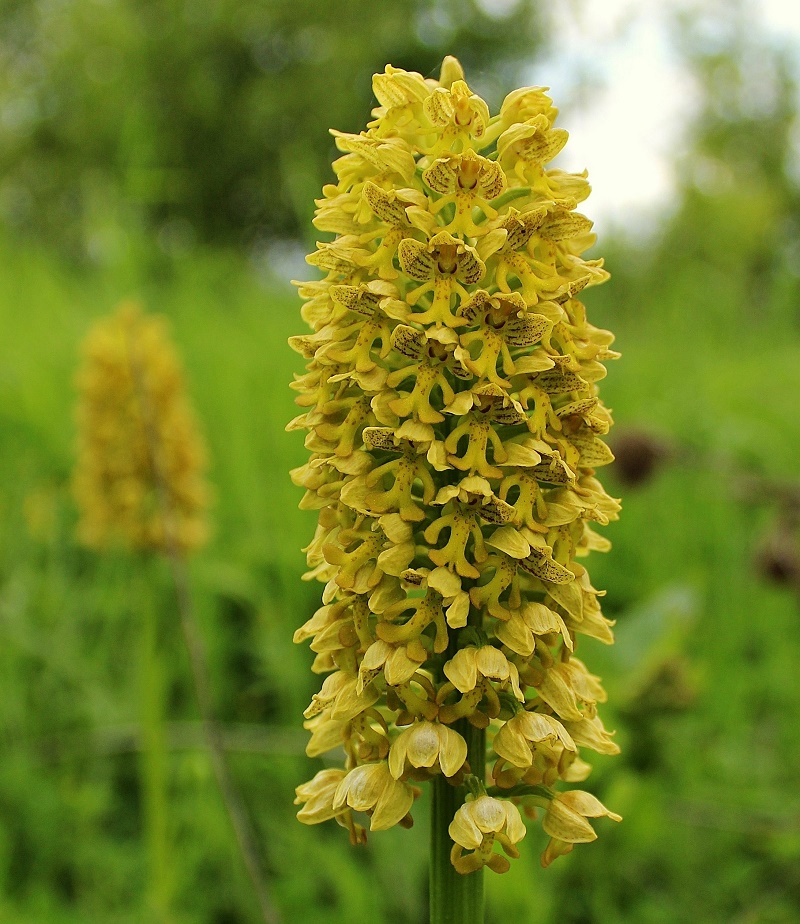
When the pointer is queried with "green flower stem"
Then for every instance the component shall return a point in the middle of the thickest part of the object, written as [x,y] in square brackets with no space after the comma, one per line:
[454,899]
[240,820]
[153,766]
[510,195]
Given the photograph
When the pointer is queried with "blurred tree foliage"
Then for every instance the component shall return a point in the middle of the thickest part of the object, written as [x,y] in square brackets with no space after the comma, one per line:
[207,119]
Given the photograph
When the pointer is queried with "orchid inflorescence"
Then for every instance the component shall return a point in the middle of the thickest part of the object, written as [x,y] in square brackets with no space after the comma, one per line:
[138,439]
[454,430]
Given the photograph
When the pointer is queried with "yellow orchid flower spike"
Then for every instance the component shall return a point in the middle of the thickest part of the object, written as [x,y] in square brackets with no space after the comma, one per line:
[137,436]
[455,429]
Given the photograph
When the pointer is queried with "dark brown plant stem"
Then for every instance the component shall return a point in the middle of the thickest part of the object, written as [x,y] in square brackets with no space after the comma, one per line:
[245,835]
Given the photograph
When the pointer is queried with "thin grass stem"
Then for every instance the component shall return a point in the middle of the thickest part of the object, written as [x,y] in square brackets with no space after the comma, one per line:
[243,830]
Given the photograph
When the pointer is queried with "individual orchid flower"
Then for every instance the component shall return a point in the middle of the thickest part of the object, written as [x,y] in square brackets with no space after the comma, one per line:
[477,826]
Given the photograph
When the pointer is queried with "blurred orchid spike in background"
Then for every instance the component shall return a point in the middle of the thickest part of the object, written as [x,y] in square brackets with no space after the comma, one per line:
[137,436]
[454,427]
[140,483]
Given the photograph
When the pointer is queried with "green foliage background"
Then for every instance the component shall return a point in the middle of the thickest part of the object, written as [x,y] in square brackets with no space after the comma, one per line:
[703,679]
[208,119]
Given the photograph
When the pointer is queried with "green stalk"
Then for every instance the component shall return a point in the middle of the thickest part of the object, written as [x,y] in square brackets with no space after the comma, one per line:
[240,821]
[455,899]
[153,766]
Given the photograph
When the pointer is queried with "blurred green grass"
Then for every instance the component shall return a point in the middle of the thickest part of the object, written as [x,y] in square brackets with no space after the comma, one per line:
[702,680]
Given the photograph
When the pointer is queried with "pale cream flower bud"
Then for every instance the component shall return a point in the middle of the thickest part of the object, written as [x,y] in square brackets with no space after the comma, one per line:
[477,825]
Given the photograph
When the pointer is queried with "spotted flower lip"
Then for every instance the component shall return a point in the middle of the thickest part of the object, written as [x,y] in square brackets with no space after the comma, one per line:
[455,429]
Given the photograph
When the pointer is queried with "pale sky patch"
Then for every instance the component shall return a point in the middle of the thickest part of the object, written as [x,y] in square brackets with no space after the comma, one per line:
[626,99]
